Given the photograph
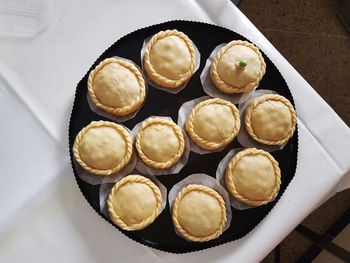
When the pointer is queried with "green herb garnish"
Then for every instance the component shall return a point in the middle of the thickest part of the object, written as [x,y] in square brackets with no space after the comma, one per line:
[242,64]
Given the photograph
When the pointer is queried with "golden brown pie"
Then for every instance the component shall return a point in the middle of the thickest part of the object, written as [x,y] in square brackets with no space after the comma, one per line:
[238,67]
[213,123]
[253,177]
[117,87]
[170,58]
[160,143]
[199,213]
[270,119]
[103,148]
[134,202]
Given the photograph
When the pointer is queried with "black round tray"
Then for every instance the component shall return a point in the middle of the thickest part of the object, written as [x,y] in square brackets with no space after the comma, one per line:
[161,234]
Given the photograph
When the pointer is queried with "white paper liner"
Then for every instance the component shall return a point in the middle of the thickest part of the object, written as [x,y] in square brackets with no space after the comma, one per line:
[243,136]
[93,179]
[106,188]
[209,87]
[170,90]
[110,116]
[184,112]
[176,168]
[202,179]
[220,177]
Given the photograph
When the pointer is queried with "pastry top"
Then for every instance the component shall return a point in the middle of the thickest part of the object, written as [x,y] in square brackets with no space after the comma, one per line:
[253,177]
[213,123]
[170,58]
[134,202]
[160,143]
[117,86]
[238,67]
[270,119]
[199,213]
[103,148]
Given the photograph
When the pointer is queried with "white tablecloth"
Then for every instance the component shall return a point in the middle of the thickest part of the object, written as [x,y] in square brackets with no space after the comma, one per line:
[44,217]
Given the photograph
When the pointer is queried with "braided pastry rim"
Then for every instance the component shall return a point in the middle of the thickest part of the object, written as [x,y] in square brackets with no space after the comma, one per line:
[252,105]
[210,145]
[160,79]
[227,88]
[229,176]
[206,190]
[128,109]
[121,130]
[178,133]
[134,178]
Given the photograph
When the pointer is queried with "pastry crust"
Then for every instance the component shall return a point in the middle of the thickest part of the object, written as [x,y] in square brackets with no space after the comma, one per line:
[270,119]
[213,124]
[170,58]
[253,177]
[228,76]
[199,213]
[117,87]
[103,148]
[160,143]
[134,202]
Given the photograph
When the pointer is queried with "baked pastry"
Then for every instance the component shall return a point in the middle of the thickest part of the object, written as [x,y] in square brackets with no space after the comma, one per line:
[160,143]
[199,213]
[253,177]
[103,148]
[270,119]
[134,202]
[117,87]
[238,67]
[213,123]
[169,58]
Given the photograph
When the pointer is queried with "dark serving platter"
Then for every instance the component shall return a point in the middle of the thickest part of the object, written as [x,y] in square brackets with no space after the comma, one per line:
[161,234]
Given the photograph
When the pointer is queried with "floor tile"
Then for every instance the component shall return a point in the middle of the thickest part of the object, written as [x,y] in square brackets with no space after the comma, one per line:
[307,54]
[306,16]
[325,215]
[339,74]
[343,240]
[270,258]
[293,247]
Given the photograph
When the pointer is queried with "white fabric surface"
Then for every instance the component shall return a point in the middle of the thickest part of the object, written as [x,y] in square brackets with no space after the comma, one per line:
[44,217]
[24,18]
